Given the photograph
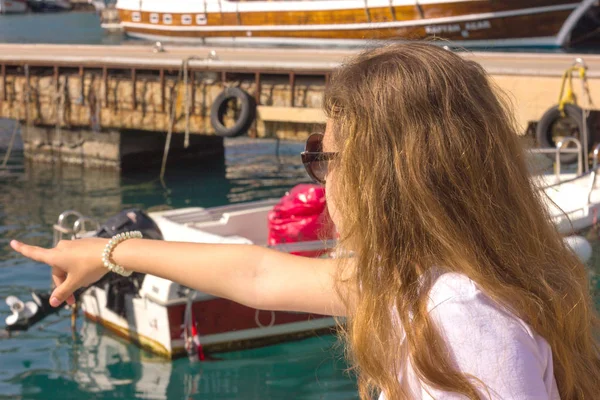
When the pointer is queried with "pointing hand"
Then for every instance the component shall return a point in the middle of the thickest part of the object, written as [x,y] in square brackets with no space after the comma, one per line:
[74,263]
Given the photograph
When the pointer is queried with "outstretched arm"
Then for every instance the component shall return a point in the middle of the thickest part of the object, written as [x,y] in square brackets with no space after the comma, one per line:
[251,275]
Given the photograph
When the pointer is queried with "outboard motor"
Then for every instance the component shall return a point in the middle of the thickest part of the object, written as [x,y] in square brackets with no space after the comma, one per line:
[117,286]
[25,314]
[130,220]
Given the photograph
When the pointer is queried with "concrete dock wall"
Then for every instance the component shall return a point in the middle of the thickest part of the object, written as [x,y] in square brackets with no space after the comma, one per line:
[102,89]
[118,102]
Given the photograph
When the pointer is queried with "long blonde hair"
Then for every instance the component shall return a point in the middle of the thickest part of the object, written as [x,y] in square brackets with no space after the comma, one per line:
[431,173]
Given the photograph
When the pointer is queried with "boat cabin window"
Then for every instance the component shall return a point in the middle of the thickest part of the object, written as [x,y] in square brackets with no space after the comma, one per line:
[167,19]
[154,18]
[186,19]
[136,16]
[200,19]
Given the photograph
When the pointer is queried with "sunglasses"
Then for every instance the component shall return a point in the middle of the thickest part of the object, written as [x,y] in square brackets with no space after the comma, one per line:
[315,160]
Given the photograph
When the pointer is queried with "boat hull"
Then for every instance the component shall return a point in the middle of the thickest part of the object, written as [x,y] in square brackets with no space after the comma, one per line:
[468,23]
[13,6]
[222,325]
[49,6]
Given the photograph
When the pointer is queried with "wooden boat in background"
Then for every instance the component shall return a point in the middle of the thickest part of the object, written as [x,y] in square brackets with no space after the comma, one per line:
[469,23]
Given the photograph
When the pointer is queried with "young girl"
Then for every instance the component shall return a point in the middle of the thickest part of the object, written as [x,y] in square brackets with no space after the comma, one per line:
[459,285]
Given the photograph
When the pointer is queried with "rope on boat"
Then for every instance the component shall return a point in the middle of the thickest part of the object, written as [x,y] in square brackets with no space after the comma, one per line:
[191,337]
[260,324]
[74,313]
[173,109]
[567,93]
[567,96]
[182,77]
[185,66]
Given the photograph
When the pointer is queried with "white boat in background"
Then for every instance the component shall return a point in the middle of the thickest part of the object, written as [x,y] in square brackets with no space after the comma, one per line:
[572,199]
[49,5]
[13,6]
[99,5]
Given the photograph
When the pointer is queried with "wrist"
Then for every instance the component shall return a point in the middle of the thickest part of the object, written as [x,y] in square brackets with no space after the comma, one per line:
[109,253]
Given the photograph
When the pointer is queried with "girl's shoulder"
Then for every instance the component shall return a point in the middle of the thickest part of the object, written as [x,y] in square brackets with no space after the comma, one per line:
[445,286]
[480,330]
[455,300]
[486,340]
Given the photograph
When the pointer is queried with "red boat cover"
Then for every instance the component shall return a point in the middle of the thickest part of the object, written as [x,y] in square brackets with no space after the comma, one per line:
[301,216]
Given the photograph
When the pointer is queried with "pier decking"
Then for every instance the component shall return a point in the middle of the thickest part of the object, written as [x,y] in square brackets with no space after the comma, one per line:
[137,88]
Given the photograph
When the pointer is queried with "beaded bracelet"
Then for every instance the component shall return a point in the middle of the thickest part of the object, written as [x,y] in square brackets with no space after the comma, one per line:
[108,250]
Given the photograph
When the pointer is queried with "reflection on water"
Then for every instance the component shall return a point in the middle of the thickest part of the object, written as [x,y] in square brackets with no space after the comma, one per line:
[100,365]
[104,363]
[48,363]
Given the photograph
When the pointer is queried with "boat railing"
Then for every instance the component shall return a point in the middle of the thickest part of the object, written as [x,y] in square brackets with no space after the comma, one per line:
[65,225]
[72,225]
[559,149]
[594,172]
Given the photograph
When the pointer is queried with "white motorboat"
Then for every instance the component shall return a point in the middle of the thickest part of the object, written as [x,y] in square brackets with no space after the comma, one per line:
[169,319]
[572,198]
[13,6]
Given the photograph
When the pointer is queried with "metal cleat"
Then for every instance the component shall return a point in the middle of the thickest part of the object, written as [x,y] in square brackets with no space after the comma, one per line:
[212,56]
[158,48]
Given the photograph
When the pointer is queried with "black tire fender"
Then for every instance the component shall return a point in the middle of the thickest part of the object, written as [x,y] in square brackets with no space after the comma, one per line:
[544,134]
[245,118]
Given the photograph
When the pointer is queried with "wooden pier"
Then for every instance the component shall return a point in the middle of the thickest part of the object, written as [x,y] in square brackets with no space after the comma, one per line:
[96,104]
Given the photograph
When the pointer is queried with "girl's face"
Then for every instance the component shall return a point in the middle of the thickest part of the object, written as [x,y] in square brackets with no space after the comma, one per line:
[330,146]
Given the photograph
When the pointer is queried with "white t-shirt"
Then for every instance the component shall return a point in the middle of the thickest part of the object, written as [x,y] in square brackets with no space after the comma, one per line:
[488,342]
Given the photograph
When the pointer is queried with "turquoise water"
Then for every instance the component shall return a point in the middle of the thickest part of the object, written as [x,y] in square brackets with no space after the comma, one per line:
[49,362]
[60,28]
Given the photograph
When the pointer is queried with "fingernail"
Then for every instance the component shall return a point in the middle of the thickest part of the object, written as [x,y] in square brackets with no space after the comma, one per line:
[13,243]
[54,302]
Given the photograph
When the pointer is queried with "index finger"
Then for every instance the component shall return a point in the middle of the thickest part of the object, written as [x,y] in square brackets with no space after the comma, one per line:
[34,252]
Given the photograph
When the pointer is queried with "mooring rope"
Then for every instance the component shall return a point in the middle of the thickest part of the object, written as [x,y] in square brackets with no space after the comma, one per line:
[185,66]
[174,95]
[182,76]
